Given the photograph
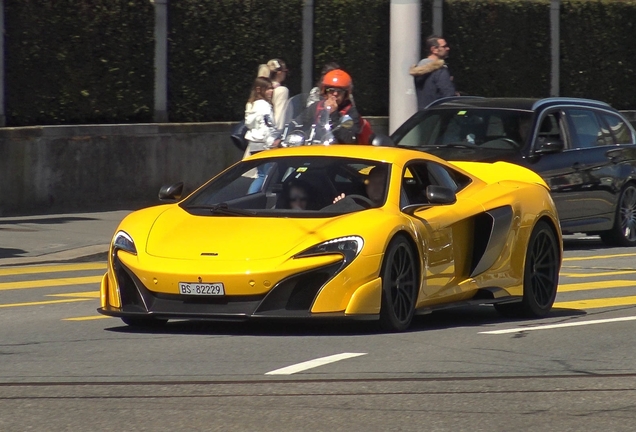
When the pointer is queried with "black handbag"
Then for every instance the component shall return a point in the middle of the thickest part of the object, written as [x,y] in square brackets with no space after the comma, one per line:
[238,136]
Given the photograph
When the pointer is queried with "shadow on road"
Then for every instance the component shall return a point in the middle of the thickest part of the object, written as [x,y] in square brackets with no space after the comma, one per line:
[11,253]
[584,243]
[472,316]
[41,220]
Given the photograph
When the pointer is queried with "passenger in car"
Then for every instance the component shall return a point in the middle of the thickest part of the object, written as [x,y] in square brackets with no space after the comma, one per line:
[298,197]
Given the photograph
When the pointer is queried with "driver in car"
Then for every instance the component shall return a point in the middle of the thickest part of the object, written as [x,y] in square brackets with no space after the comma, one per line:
[374,185]
[336,102]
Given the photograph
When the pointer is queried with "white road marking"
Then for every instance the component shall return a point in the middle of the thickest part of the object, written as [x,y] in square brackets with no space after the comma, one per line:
[313,363]
[553,326]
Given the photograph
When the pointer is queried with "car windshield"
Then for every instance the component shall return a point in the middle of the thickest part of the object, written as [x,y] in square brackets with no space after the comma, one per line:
[470,127]
[293,186]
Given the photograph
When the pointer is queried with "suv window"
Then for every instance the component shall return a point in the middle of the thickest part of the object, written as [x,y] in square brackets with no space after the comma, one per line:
[587,130]
[488,127]
[618,128]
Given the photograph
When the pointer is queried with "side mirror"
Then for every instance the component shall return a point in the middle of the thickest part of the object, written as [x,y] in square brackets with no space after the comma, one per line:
[548,145]
[440,195]
[382,141]
[171,193]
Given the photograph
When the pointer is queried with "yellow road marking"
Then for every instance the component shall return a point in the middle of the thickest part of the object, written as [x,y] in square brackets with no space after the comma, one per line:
[599,257]
[6,305]
[50,283]
[586,286]
[51,268]
[85,294]
[86,318]
[607,273]
[597,303]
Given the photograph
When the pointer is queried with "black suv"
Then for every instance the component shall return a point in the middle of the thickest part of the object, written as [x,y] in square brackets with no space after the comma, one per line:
[585,150]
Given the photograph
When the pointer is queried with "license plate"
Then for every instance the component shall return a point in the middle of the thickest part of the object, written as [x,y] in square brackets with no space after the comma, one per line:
[202,289]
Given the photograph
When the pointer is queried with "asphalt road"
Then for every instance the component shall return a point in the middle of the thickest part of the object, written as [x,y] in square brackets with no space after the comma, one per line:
[66,368]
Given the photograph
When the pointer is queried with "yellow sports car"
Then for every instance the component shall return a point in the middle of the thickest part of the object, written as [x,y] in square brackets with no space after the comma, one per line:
[356,232]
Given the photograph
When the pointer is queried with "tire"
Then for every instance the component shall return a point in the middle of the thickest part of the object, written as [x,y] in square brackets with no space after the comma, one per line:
[540,276]
[144,322]
[623,233]
[400,285]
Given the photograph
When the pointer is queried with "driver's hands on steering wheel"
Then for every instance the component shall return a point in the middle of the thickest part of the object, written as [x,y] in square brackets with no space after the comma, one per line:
[338,198]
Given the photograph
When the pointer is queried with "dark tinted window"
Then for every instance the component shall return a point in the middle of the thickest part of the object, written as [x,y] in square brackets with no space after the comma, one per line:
[419,175]
[587,130]
[491,128]
[621,132]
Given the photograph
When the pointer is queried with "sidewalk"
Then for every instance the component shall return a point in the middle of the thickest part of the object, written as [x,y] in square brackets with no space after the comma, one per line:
[26,240]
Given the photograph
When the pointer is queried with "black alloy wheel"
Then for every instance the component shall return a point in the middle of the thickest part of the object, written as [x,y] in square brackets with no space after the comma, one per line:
[623,233]
[400,285]
[540,275]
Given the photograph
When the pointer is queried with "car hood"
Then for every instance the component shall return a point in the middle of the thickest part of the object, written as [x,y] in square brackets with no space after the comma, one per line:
[477,154]
[178,234]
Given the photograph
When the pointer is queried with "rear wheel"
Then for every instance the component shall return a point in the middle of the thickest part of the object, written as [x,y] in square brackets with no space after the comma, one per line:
[623,233]
[540,275]
[399,285]
[144,322]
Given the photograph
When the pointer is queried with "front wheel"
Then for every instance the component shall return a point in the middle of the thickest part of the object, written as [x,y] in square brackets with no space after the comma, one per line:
[540,275]
[399,285]
[623,233]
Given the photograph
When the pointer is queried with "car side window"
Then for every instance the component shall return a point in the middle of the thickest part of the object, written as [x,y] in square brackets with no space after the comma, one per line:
[419,175]
[587,130]
[618,128]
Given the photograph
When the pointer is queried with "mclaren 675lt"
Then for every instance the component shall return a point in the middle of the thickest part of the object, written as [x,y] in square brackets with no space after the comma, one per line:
[357,232]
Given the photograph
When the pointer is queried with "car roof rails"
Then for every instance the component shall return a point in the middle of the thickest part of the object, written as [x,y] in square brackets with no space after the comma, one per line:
[557,100]
[450,99]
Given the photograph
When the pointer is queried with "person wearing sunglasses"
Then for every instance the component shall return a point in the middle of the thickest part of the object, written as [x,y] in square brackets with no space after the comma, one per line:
[334,104]
[431,75]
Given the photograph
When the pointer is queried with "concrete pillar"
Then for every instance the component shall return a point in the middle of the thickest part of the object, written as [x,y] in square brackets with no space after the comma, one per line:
[406,19]
[3,116]
[555,40]
[438,17]
[308,46]
[161,61]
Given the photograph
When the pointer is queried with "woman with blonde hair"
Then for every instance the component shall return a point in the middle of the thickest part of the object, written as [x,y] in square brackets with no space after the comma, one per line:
[278,74]
[263,71]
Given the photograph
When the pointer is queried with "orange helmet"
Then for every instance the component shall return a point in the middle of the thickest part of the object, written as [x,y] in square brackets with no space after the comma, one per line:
[337,78]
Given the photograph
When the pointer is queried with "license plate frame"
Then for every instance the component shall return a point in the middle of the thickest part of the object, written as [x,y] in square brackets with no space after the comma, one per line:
[213,289]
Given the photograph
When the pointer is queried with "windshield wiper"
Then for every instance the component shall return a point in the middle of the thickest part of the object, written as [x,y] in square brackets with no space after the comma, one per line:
[223,209]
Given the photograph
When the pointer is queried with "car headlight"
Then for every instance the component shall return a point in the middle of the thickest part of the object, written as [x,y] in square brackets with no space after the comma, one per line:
[349,247]
[123,241]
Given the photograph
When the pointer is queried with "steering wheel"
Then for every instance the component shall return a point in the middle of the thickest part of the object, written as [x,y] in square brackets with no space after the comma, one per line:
[511,142]
[362,200]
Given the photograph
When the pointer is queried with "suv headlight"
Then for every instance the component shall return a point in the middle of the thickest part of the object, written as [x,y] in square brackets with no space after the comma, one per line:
[349,247]
[123,241]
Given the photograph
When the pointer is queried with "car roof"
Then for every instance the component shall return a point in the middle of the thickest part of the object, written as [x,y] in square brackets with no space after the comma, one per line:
[526,104]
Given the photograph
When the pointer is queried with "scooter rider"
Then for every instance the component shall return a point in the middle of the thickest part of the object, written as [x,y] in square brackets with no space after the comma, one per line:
[336,103]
